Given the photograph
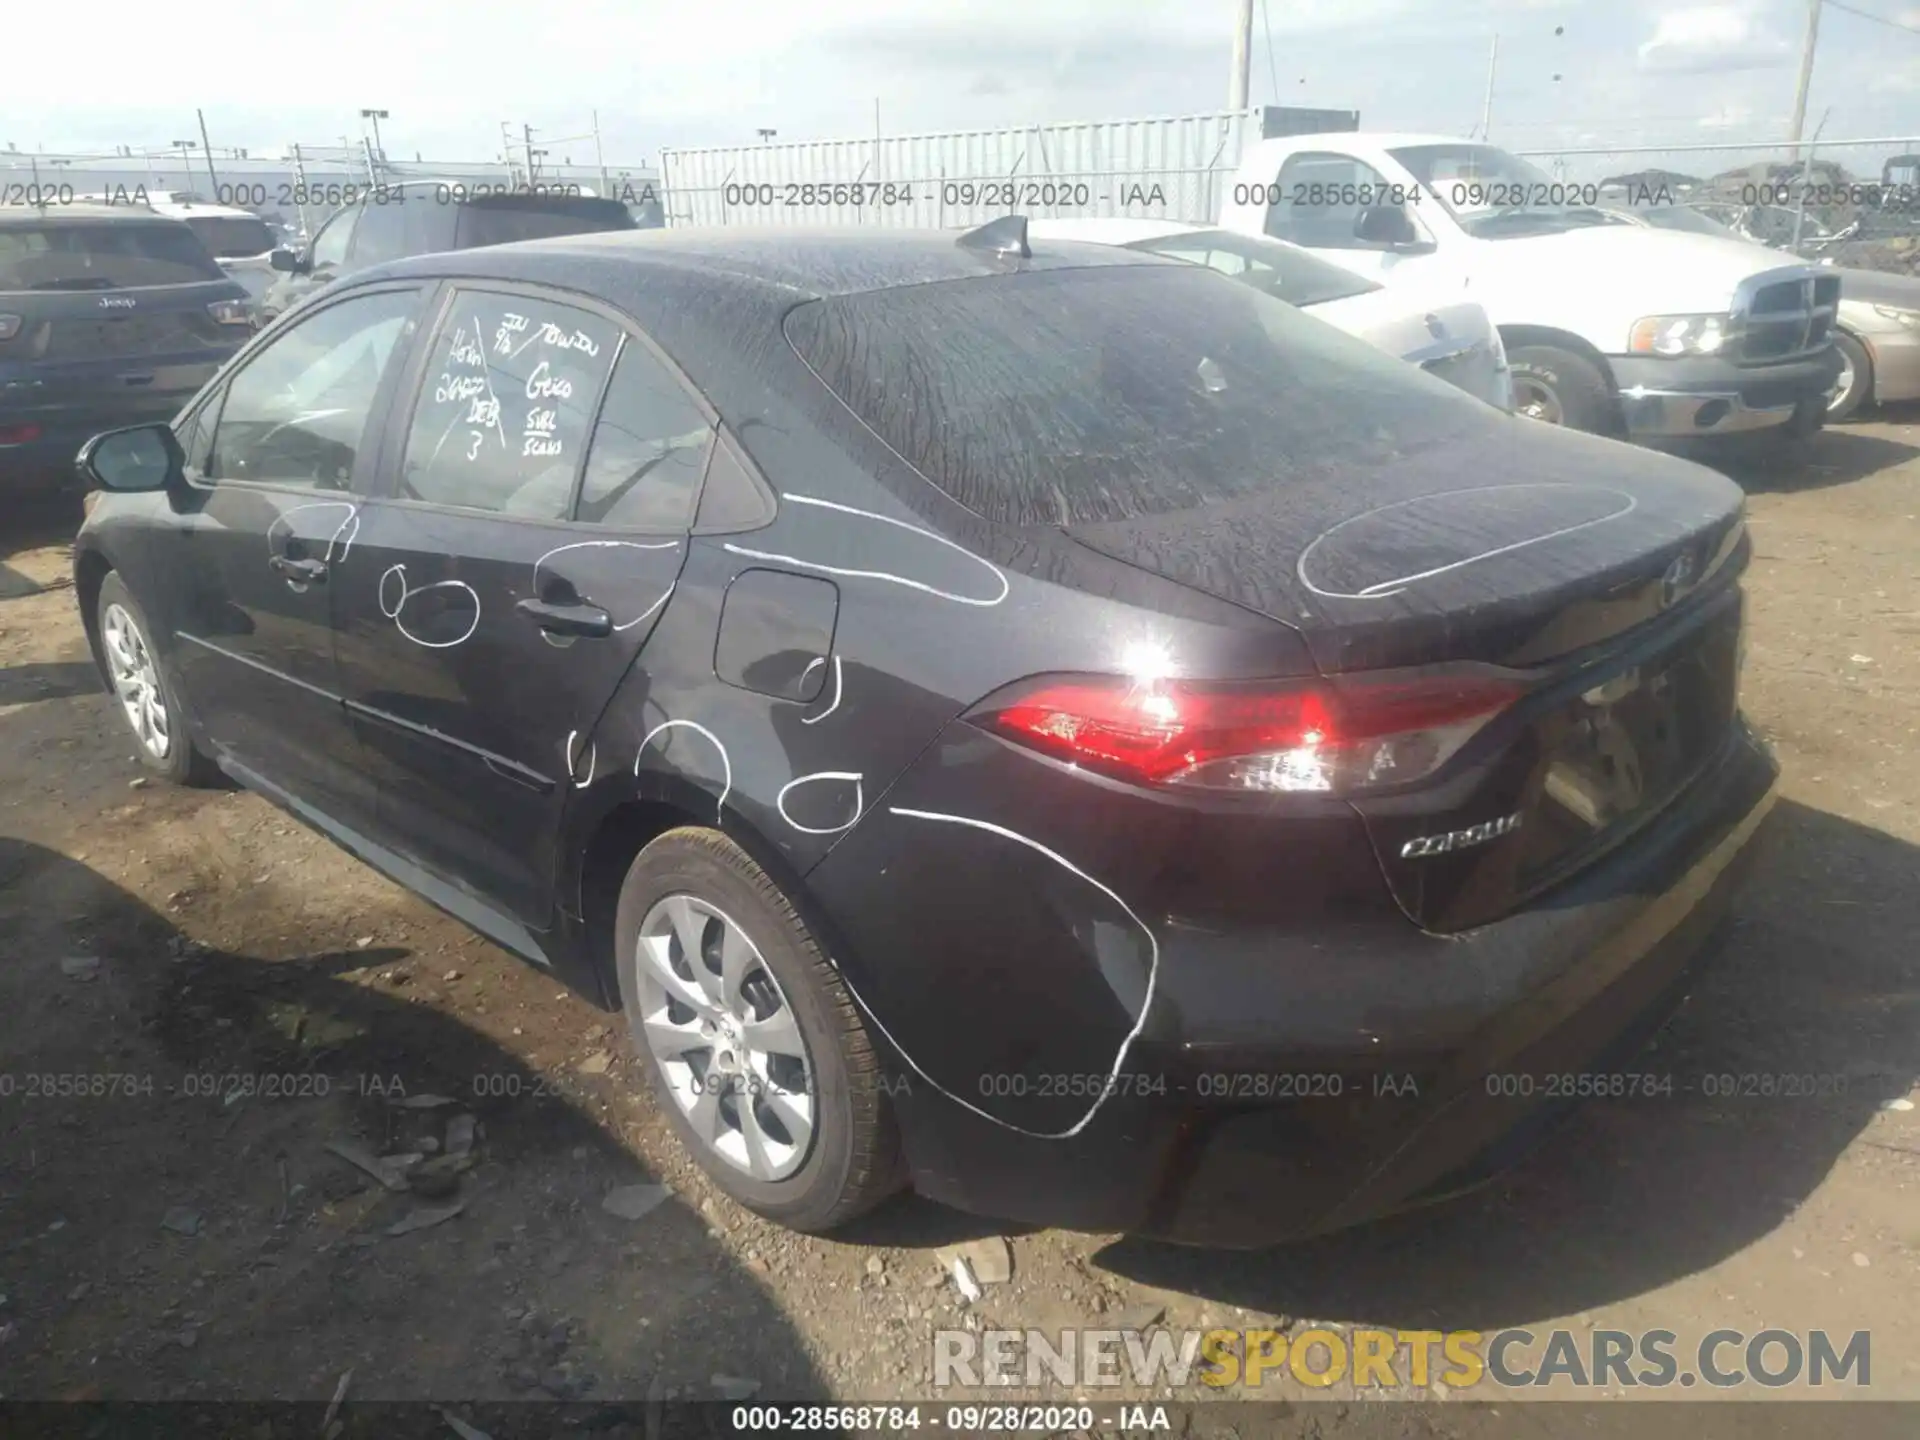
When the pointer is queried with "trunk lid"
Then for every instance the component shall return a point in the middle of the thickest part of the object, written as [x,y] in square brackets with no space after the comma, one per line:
[1606,573]
[1512,543]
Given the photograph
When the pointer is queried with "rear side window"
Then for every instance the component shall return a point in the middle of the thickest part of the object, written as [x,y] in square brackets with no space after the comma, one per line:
[503,219]
[649,450]
[1087,395]
[102,255]
[231,237]
[506,406]
[1283,271]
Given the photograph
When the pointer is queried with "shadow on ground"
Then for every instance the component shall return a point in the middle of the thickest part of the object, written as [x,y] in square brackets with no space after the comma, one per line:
[173,1225]
[1820,977]
[1839,455]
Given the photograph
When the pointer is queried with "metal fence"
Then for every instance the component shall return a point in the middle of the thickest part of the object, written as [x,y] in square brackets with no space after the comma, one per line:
[1173,167]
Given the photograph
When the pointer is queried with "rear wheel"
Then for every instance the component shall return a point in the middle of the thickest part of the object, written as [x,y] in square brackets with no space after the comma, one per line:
[759,1056]
[1560,387]
[148,700]
[1855,384]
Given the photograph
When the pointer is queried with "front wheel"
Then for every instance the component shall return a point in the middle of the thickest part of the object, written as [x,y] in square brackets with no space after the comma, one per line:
[759,1055]
[147,697]
[1855,383]
[1559,387]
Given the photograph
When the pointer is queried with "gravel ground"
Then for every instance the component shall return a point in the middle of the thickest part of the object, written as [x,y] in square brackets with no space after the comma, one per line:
[160,1239]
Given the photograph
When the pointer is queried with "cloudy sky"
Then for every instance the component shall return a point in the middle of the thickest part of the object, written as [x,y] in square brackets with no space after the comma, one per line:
[665,72]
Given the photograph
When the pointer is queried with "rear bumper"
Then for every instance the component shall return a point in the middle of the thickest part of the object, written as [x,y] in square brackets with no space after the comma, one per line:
[1383,1073]
[1705,397]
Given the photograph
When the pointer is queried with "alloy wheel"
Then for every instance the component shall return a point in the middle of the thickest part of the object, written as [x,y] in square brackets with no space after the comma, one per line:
[136,681]
[718,1025]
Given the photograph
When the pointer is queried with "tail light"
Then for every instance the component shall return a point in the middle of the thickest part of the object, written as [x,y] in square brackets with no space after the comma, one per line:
[22,434]
[1339,736]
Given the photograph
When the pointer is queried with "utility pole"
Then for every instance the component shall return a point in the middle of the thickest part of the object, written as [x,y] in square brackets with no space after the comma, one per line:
[526,132]
[206,147]
[599,160]
[1242,57]
[1486,113]
[1806,78]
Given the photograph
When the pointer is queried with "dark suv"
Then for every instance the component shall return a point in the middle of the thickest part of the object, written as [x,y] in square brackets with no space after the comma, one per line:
[109,316]
[421,217]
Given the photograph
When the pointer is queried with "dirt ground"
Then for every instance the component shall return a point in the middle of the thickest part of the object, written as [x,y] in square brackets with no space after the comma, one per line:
[161,1238]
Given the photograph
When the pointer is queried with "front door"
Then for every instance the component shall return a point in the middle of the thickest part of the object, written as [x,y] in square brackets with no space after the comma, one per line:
[278,464]
[524,551]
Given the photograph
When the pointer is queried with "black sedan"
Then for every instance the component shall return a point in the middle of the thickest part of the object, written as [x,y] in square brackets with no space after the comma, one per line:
[1045,724]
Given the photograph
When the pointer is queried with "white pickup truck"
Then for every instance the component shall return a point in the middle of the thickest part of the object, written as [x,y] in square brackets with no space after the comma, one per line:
[1608,327]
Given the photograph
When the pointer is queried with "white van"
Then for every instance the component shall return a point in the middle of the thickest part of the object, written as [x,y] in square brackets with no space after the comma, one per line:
[1609,327]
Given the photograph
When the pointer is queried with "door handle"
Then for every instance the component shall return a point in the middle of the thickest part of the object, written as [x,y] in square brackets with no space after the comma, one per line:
[306,572]
[587,621]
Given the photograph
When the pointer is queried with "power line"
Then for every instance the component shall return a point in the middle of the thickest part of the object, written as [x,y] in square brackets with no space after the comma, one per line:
[1877,19]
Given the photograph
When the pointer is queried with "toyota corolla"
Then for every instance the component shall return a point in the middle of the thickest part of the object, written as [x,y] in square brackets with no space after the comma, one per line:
[1040,723]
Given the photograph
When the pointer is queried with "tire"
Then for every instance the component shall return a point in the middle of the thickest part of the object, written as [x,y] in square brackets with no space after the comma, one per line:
[1559,387]
[162,738]
[1856,380]
[850,1159]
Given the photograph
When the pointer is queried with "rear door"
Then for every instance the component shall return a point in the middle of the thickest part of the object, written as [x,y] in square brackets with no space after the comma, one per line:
[106,321]
[489,626]
[278,461]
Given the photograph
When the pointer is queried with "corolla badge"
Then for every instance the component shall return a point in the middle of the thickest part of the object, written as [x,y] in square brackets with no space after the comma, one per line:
[1465,839]
[117,302]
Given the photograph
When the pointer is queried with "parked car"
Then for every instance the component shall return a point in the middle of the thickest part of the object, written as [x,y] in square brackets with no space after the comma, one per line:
[1608,328]
[1450,338]
[109,315]
[239,240]
[1877,331]
[986,710]
[418,217]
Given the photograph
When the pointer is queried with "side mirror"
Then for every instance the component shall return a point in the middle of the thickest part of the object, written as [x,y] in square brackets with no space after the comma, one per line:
[286,260]
[1387,225]
[136,459]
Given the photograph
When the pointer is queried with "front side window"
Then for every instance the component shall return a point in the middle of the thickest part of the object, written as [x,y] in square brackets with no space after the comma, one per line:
[296,414]
[1318,198]
[649,449]
[507,404]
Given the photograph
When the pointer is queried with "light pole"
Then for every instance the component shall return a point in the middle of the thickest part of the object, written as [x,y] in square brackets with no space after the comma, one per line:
[376,116]
[186,161]
[765,134]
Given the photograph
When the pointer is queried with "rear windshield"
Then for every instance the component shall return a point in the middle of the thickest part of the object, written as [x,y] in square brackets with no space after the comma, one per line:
[1076,396]
[503,219]
[230,237]
[82,255]
[1285,272]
